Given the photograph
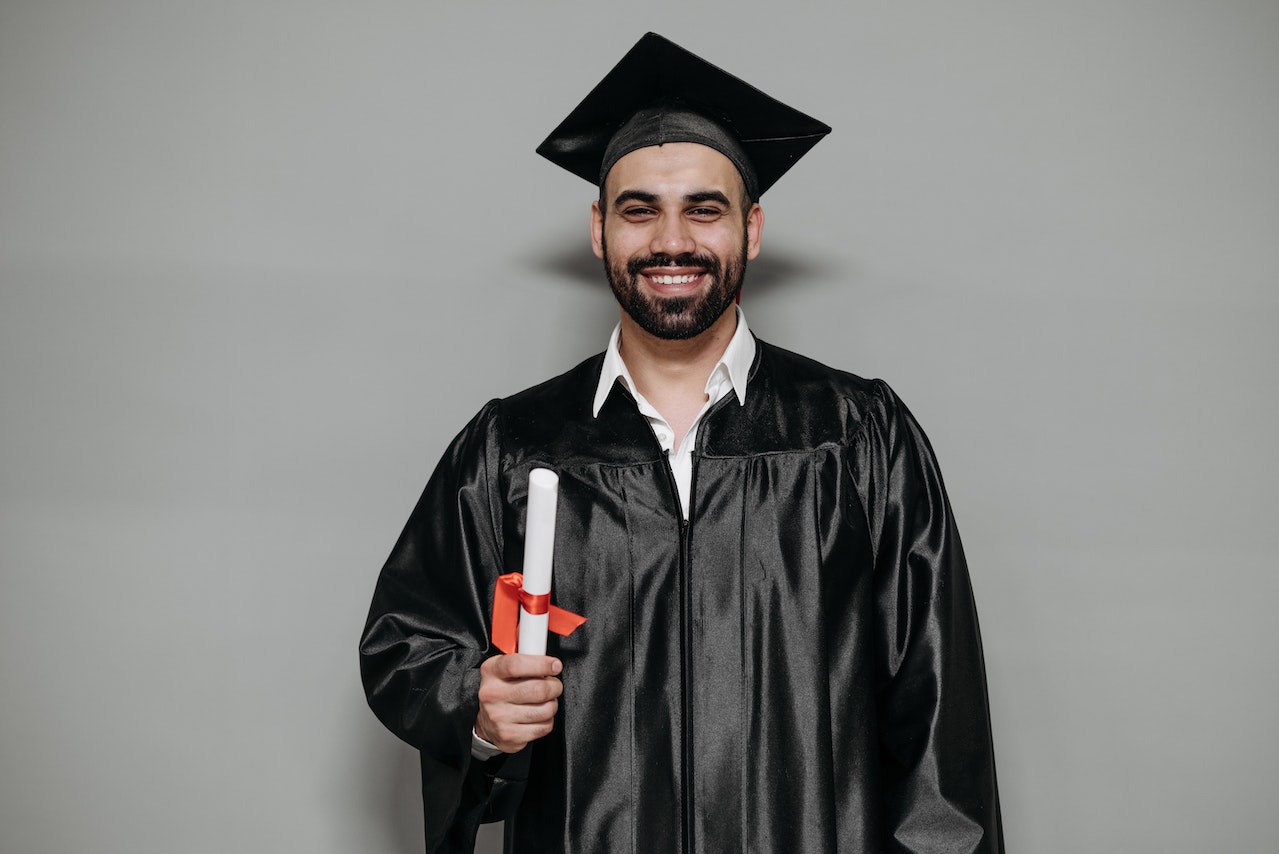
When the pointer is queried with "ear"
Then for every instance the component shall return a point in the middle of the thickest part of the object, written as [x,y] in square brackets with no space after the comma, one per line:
[597,229]
[754,228]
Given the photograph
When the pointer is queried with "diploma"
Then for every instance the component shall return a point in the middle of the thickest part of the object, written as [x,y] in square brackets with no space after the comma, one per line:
[522,609]
[539,552]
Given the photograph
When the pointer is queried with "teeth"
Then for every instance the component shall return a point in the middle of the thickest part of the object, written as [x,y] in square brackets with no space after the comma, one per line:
[672,280]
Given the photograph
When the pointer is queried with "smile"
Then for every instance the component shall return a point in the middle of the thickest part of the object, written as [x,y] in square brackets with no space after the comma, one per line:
[675,280]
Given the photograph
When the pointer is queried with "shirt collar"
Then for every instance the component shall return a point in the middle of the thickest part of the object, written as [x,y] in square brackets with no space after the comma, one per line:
[735,363]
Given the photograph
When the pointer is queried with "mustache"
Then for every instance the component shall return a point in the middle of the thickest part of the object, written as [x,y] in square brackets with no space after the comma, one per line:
[709,262]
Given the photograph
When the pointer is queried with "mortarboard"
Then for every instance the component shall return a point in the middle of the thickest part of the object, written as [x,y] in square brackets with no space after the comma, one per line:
[659,92]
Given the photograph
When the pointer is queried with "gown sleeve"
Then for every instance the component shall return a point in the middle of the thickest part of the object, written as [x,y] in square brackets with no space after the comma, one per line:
[427,631]
[936,751]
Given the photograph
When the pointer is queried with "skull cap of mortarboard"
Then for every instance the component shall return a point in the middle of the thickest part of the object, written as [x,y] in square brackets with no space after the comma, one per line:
[659,93]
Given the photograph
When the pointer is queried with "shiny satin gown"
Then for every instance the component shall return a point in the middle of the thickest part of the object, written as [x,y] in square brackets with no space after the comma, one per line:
[797,668]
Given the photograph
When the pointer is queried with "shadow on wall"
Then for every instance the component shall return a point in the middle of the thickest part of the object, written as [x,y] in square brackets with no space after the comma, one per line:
[775,267]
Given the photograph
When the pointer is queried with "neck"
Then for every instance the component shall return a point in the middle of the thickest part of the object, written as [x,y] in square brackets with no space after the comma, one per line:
[672,374]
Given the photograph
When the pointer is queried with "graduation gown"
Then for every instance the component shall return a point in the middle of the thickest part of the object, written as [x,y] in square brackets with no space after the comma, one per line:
[796,668]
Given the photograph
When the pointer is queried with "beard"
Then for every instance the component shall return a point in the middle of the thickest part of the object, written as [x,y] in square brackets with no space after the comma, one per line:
[683,317]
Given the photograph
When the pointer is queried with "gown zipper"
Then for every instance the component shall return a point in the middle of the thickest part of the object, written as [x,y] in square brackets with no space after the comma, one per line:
[686,668]
[685,642]
[687,777]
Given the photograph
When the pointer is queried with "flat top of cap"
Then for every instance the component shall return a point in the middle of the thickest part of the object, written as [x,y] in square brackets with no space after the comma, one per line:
[657,71]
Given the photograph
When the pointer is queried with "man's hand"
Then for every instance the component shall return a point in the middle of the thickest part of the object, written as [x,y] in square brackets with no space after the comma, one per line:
[517,699]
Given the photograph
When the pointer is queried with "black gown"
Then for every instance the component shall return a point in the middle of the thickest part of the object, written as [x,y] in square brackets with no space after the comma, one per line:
[797,668]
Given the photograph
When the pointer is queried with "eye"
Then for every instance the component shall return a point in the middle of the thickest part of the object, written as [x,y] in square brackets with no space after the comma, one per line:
[637,212]
[705,214]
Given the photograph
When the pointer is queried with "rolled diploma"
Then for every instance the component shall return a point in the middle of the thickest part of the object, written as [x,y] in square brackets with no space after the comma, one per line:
[539,551]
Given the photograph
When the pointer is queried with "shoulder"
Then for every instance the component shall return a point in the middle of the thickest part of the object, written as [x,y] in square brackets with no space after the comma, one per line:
[797,404]
[543,407]
[789,378]
[805,376]
[553,423]
[540,412]
[829,406]
[569,387]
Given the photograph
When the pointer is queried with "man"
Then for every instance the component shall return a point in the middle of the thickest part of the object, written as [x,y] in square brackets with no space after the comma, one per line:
[782,651]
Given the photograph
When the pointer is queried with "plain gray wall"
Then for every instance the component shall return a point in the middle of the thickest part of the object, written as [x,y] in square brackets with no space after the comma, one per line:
[260,260]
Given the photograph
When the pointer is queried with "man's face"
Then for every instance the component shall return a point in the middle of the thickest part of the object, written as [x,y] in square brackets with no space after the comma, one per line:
[675,234]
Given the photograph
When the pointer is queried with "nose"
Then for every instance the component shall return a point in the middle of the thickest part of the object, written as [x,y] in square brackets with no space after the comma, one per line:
[672,236]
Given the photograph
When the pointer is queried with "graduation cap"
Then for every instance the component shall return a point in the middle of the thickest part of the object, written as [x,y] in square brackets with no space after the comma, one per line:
[659,93]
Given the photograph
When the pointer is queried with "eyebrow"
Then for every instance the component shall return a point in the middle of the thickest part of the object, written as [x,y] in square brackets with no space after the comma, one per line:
[653,198]
[635,196]
[709,196]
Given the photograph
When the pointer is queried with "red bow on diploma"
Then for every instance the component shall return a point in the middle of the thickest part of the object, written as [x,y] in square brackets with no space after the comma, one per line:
[509,595]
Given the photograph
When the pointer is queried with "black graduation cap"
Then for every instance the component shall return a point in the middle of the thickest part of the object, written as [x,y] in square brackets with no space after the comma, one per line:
[659,92]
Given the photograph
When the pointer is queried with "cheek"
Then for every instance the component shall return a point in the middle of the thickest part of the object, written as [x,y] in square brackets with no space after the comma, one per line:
[623,239]
[728,244]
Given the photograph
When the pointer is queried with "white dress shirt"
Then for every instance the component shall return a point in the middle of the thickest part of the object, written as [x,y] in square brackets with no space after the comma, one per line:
[730,373]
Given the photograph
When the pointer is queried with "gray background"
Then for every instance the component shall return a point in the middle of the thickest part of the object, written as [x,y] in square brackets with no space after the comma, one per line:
[259,261]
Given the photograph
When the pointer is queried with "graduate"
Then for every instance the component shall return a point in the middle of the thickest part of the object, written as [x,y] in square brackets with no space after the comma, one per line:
[782,651]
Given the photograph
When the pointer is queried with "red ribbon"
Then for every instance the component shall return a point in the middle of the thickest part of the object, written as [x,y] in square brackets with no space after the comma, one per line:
[509,595]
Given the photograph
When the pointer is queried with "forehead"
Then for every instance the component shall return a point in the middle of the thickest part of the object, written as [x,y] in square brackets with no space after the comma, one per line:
[674,168]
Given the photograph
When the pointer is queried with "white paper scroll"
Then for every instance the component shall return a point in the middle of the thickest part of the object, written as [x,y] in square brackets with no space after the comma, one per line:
[539,552]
